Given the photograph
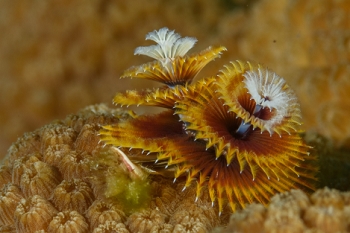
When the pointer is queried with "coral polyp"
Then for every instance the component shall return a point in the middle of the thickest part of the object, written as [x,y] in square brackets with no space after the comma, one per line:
[236,134]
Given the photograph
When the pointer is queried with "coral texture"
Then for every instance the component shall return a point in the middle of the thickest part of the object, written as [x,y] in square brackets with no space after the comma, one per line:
[326,211]
[43,192]
[68,221]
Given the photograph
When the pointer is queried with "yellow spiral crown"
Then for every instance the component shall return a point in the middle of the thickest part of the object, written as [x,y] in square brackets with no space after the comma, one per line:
[236,134]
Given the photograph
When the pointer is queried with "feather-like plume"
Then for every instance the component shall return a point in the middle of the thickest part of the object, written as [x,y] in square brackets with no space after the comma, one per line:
[169,45]
[177,71]
[274,106]
[172,66]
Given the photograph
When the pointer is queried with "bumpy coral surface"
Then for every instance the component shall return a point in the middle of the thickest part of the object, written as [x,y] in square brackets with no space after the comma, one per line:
[54,180]
[326,211]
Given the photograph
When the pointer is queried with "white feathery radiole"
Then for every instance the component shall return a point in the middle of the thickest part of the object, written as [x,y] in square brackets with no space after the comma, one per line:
[266,88]
[269,90]
[169,45]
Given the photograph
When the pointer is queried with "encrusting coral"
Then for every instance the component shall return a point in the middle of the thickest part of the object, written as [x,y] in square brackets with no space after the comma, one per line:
[236,133]
[326,211]
[73,197]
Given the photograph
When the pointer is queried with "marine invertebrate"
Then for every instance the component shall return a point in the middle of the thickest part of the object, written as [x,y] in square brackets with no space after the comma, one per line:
[100,212]
[172,66]
[72,195]
[5,175]
[190,217]
[75,165]
[33,214]
[54,153]
[111,226]
[82,198]
[32,72]
[236,133]
[35,177]
[68,221]
[107,213]
[294,211]
[147,220]
[276,107]
[10,195]
[53,134]
[163,200]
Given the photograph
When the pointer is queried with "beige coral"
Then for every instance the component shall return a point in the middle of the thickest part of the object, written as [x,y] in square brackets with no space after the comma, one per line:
[146,221]
[9,198]
[68,221]
[327,210]
[33,214]
[54,180]
[35,177]
[6,176]
[101,212]
[72,195]
[111,226]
